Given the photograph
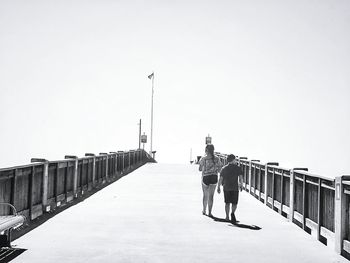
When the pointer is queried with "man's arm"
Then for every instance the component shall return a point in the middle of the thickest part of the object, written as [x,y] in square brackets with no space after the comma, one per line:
[219,184]
[240,181]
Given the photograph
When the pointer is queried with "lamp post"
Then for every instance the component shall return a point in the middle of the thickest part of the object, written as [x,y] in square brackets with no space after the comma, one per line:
[139,134]
[152,78]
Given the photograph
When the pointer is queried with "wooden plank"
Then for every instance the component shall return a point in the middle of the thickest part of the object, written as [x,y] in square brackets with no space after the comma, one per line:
[61,198]
[285,209]
[37,210]
[62,165]
[70,196]
[298,179]
[311,182]
[327,186]
[269,200]
[327,234]
[312,225]
[24,172]
[346,245]
[298,216]
[277,205]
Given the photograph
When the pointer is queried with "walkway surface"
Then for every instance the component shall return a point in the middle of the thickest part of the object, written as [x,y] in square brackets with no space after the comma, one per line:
[154,215]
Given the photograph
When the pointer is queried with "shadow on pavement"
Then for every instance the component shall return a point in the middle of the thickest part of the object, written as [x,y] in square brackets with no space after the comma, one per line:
[238,224]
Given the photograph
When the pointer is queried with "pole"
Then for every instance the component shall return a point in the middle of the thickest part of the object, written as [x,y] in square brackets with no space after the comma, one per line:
[152,112]
[140,135]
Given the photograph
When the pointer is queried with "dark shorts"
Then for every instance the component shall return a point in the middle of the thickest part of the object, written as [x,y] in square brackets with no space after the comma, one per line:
[210,179]
[231,197]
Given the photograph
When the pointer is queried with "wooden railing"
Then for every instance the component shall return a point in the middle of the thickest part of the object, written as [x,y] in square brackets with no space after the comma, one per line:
[317,204]
[44,185]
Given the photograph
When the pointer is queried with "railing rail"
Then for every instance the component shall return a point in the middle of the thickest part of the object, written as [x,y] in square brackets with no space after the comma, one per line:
[318,204]
[43,185]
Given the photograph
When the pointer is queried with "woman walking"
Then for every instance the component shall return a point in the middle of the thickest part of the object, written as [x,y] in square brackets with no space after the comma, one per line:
[210,166]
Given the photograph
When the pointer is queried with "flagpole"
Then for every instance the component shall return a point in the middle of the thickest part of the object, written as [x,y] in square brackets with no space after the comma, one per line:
[152,113]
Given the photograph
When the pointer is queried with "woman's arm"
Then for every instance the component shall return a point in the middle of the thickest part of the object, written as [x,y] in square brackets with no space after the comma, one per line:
[201,164]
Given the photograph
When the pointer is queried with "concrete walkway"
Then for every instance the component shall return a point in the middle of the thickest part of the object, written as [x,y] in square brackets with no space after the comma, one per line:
[154,215]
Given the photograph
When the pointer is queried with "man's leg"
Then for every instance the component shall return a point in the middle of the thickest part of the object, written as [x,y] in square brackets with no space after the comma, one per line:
[234,207]
[227,210]
[211,197]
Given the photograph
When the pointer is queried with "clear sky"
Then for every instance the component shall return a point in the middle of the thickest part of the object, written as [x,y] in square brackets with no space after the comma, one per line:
[269,80]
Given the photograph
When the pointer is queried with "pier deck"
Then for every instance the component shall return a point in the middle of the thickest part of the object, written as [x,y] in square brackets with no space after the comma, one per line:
[154,215]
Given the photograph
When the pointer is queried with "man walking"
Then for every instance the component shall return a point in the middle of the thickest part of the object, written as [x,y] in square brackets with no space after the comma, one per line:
[231,177]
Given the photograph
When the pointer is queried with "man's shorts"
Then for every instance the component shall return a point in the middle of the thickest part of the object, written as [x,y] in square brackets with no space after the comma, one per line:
[231,197]
[210,179]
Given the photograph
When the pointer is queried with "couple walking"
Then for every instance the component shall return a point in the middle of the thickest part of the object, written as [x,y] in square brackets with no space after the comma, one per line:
[230,177]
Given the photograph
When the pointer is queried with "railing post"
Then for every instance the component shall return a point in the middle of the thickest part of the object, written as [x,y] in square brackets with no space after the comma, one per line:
[106,167]
[75,178]
[75,174]
[121,156]
[250,176]
[14,187]
[254,174]
[291,196]
[266,177]
[123,166]
[319,196]
[93,167]
[339,214]
[281,196]
[134,158]
[245,171]
[115,163]
[45,181]
[30,192]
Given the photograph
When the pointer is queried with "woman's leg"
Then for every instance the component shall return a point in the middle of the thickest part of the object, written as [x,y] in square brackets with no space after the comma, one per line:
[205,189]
[211,197]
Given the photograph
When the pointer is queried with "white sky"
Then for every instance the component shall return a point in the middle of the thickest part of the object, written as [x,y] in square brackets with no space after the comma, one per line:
[268,80]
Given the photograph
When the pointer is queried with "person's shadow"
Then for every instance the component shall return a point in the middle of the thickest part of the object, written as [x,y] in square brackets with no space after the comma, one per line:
[237,224]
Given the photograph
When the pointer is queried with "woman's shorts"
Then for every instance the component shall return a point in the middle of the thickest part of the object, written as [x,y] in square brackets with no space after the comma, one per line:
[210,179]
[231,197]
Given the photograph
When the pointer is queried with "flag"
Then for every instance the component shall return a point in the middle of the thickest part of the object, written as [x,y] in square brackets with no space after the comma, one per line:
[151,76]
